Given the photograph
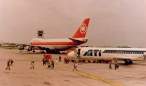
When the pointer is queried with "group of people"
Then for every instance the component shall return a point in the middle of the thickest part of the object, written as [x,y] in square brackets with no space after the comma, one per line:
[66,60]
[114,62]
[47,60]
[50,63]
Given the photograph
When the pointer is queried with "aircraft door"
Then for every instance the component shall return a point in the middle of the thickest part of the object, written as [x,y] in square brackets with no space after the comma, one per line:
[78,52]
[99,53]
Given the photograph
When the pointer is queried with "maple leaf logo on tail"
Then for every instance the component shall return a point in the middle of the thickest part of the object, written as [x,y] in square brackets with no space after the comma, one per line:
[81,31]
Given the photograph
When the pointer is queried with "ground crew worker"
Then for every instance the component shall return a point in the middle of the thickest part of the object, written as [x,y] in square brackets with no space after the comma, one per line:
[32,64]
[75,66]
[78,53]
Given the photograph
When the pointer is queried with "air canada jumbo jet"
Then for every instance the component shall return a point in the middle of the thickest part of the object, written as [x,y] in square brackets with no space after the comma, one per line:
[78,38]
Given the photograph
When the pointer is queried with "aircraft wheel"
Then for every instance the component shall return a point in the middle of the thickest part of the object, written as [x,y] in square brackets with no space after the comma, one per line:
[128,61]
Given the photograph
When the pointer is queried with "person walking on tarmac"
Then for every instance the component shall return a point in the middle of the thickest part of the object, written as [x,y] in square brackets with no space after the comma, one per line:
[59,58]
[116,63]
[75,66]
[9,64]
[110,64]
[44,60]
[32,65]
[49,64]
[52,64]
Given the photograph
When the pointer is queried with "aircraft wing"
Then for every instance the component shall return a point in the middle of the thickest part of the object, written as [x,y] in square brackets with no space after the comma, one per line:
[23,46]
[130,57]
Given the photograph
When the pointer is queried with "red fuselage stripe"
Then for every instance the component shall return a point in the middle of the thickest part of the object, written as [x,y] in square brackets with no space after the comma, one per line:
[54,43]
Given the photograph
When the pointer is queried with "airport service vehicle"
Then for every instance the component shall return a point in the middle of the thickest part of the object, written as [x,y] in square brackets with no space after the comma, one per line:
[78,38]
[128,55]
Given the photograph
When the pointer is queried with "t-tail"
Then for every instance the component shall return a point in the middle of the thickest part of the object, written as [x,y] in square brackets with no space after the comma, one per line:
[80,34]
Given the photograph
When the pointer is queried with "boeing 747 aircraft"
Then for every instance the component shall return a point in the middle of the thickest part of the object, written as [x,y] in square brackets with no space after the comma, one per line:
[78,38]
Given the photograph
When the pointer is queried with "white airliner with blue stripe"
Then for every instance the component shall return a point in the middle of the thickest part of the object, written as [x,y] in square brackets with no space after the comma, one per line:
[125,54]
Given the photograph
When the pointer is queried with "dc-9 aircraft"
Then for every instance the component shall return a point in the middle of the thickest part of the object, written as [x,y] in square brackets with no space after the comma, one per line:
[128,55]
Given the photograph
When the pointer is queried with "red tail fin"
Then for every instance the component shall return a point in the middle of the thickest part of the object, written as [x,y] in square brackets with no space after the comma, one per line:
[81,32]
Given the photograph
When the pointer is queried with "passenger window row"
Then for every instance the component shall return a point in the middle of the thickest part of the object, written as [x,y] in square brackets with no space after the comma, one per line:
[123,52]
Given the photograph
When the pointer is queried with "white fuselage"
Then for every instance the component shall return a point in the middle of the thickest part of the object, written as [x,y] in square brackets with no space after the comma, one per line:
[54,43]
[109,53]
[62,44]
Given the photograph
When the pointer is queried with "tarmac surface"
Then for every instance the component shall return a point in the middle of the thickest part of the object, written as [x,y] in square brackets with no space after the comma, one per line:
[89,74]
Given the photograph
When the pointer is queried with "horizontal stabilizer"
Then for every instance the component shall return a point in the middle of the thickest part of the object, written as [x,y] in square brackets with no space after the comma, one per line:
[78,40]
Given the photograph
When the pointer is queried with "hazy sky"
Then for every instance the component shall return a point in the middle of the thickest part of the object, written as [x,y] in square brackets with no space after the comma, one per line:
[113,22]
